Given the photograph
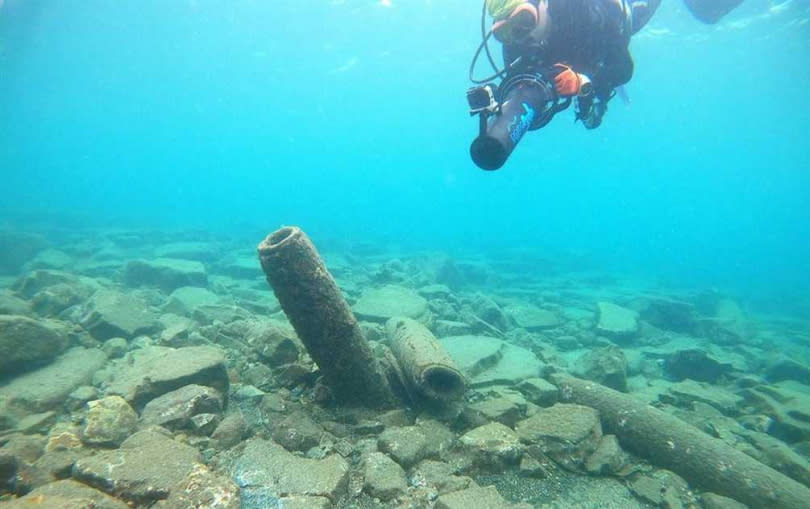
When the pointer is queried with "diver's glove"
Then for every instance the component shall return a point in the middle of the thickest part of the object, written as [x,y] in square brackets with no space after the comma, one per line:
[590,111]
[569,83]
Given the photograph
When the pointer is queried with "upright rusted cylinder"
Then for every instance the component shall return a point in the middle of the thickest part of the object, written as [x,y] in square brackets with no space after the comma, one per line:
[669,442]
[312,301]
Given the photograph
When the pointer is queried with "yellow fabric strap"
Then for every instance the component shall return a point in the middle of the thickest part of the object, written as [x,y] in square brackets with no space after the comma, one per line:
[500,9]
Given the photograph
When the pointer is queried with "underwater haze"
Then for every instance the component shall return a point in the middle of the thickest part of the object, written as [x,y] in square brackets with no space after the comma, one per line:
[616,318]
[349,119]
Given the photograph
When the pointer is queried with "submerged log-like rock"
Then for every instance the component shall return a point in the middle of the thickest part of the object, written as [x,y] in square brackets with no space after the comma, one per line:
[428,370]
[312,301]
[671,443]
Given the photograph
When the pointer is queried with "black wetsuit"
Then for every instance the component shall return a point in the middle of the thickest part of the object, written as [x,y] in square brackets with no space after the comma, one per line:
[591,36]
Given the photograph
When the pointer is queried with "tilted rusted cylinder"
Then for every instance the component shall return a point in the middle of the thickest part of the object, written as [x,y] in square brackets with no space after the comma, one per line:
[312,301]
[427,369]
[669,442]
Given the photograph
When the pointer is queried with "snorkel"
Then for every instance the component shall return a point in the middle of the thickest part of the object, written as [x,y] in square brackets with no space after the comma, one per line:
[522,101]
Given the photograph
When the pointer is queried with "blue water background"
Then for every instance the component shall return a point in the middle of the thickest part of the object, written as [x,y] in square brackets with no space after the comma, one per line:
[349,119]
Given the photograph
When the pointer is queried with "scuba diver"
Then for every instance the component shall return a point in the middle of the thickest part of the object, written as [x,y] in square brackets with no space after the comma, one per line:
[556,52]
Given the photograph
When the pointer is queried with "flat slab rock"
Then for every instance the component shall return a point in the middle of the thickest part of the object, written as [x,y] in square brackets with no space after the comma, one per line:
[66,494]
[150,466]
[184,300]
[489,361]
[115,314]
[49,386]
[167,274]
[266,467]
[380,304]
[616,321]
[477,497]
[531,317]
[150,372]
[686,392]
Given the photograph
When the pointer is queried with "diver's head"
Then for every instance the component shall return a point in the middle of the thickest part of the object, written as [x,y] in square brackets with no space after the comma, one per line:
[515,20]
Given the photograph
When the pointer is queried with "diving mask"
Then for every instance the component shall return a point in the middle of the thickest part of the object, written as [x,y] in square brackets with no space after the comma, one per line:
[518,25]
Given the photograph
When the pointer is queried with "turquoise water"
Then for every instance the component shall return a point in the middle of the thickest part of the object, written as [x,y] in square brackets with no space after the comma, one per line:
[348,118]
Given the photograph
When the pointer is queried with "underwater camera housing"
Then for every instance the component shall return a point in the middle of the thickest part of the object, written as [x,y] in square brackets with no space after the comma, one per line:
[521,103]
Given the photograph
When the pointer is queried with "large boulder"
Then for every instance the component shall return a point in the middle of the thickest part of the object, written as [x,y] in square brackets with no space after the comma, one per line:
[381,304]
[114,314]
[150,372]
[47,388]
[24,341]
[168,274]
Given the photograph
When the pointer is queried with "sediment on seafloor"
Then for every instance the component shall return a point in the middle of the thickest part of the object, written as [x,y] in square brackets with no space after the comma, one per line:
[671,443]
[313,303]
[427,369]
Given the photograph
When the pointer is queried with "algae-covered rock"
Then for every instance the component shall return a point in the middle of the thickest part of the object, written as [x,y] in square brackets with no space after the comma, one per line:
[113,314]
[109,421]
[66,494]
[48,387]
[696,364]
[381,304]
[184,300]
[476,497]
[662,488]
[686,392]
[149,372]
[23,341]
[608,458]
[539,391]
[16,248]
[175,410]
[489,361]
[150,466]
[265,467]
[532,318]
[10,304]
[439,476]
[383,477]
[492,446]
[168,274]
[616,321]
[606,365]
[409,445]
[566,433]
